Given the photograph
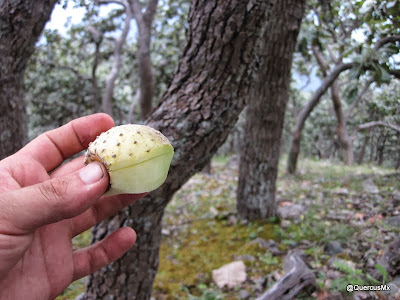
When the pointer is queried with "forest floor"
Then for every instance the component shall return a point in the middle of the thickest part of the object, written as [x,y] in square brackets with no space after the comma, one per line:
[342,218]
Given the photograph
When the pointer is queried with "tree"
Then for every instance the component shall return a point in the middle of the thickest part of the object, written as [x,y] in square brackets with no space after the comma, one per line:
[21,24]
[265,113]
[144,21]
[207,93]
[330,36]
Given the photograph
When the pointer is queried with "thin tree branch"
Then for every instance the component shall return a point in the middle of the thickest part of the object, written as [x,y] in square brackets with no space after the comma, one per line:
[395,73]
[377,123]
[358,98]
[123,3]
[389,39]
[110,80]
[320,60]
[137,12]
[150,11]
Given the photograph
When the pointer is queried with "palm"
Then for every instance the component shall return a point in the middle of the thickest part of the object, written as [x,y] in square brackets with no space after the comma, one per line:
[40,263]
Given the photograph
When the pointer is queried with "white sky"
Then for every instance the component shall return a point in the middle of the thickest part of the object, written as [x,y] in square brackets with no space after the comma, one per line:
[60,16]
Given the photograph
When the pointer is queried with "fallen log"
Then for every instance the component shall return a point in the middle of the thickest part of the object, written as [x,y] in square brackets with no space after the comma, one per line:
[297,277]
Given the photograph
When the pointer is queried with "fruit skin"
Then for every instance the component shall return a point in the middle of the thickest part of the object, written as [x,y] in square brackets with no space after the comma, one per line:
[137,158]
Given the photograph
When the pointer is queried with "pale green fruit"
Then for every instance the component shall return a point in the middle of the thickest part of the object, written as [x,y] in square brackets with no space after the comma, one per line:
[137,158]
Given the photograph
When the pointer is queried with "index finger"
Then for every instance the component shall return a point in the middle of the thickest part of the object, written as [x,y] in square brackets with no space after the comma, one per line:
[51,148]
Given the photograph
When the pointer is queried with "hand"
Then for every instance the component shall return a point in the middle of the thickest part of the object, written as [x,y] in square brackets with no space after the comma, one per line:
[44,205]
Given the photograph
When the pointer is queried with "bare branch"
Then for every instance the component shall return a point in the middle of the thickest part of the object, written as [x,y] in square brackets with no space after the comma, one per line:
[123,3]
[358,98]
[320,60]
[112,76]
[378,123]
[150,11]
[137,12]
[326,83]
[332,55]
[395,73]
[389,39]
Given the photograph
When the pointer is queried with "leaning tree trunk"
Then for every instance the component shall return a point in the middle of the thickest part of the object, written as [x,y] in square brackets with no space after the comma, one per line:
[306,111]
[208,91]
[21,23]
[265,113]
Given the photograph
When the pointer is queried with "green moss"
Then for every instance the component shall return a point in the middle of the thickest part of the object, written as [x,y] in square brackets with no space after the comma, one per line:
[73,290]
[205,246]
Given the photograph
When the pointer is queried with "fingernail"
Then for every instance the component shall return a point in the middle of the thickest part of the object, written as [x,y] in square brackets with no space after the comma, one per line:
[91,173]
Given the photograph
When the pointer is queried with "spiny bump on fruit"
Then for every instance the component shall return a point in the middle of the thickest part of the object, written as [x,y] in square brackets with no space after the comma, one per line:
[137,158]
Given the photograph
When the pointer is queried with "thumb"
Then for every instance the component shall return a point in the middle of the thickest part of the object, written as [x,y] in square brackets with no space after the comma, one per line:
[54,200]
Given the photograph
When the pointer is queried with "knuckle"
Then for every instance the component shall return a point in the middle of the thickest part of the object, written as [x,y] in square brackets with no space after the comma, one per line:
[54,191]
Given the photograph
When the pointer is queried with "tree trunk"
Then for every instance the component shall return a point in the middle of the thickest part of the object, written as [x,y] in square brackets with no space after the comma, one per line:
[265,113]
[116,65]
[145,73]
[345,142]
[397,166]
[363,149]
[21,23]
[208,91]
[380,149]
[144,22]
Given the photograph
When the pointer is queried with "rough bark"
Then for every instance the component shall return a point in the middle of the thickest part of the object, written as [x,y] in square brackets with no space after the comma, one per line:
[144,22]
[265,113]
[208,91]
[21,23]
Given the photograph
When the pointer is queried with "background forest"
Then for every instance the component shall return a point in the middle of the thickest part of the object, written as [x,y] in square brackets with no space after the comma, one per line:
[334,208]
[73,65]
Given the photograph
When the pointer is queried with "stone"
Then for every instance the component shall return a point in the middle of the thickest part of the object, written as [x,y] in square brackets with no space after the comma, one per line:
[394,292]
[230,275]
[369,186]
[291,212]
[247,257]
[361,296]
[332,274]
[341,191]
[271,245]
[243,294]
[390,258]
[165,232]
[394,221]
[333,247]
[333,261]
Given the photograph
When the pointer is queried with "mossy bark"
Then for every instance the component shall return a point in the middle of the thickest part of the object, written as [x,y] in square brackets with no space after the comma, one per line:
[265,113]
[209,89]
[21,23]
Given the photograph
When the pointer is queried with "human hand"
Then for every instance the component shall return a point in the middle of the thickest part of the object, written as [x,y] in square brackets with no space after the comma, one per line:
[44,205]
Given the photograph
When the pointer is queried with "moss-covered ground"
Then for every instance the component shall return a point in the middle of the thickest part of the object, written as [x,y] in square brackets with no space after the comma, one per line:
[202,232]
